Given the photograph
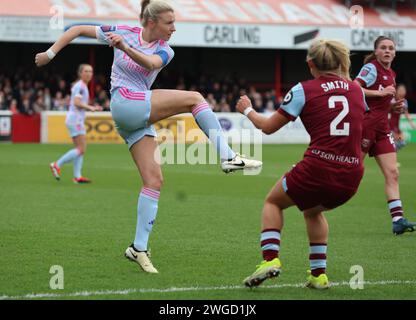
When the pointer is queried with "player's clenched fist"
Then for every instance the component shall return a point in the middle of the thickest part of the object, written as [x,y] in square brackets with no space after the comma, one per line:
[42,59]
[243,103]
[388,91]
[117,41]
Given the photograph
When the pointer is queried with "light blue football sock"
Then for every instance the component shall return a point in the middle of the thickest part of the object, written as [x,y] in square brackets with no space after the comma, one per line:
[146,214]
[78,161]
[67,157]
[209,124]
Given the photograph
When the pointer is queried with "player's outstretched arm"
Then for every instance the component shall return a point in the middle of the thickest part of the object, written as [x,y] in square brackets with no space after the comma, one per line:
[44,58]
[388,91]
[268,125]
[79,104]
[150,62]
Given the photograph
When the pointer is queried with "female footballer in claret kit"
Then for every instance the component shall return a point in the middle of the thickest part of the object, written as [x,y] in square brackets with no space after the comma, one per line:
[379,83]
[332,109]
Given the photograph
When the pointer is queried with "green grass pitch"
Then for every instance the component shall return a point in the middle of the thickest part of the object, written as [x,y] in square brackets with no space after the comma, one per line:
[206,237]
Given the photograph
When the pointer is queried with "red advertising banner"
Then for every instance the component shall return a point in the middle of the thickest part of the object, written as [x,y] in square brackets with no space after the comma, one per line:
[294,12]
[26,128]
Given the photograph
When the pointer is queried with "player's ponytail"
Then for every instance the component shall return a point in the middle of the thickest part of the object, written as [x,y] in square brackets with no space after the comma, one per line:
[150,10]
[144,5]
[372,56]
[331,56]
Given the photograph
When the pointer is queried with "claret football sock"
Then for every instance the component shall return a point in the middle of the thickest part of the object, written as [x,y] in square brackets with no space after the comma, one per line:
[317,258]
[396,210]
[270,244]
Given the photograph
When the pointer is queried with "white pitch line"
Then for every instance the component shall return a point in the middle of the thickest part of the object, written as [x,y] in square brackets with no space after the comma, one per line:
[189,289]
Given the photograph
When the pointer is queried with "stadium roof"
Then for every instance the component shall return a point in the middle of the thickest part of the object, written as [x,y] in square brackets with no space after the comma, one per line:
[219,23]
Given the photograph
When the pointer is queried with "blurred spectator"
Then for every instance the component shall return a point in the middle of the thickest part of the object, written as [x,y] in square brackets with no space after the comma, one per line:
[270,107]
[39,105]
[101,97]
[59,102]
[63,87]
[216,91]
[253,94]
[2,100]
[47,99]
[35,91]
[212,102]
[30,92]
[13,106]
[224,106]
[25,106]
[258,104]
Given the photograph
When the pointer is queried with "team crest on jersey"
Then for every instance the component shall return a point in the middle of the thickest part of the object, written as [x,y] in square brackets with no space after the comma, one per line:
[365,72]
[365,143]
[108,28]
[288,98]
[385,77]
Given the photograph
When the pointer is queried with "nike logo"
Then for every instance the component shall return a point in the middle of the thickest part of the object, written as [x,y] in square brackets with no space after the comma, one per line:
[241,164]
[133,254]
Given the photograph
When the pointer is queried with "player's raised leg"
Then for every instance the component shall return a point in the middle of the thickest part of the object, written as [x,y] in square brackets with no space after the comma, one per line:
[317,228]
[166,103]
[147,205]
[272,224]
[388,165]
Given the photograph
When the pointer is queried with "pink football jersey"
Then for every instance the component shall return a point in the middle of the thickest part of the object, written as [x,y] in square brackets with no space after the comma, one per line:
[125,72]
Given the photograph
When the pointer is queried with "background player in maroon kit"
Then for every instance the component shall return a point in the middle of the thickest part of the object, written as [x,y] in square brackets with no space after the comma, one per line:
[378,80]
[332,109]
[394,118]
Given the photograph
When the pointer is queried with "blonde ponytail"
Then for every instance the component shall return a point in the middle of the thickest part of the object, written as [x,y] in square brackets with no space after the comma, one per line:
[330,56]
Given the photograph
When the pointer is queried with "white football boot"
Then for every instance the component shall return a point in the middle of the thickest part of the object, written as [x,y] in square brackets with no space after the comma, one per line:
[56,171]
[141,258]
[240,162]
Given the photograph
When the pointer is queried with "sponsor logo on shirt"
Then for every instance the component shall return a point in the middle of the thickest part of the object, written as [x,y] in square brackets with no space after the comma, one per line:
[336,157]
[135,67]
[108,28]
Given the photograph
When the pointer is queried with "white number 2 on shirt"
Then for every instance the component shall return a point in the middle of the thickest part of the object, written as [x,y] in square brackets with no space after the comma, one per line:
[345,131]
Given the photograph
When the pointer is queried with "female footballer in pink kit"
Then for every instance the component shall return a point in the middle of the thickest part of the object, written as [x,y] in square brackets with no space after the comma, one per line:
[379,83]
[139,55]
[75,123]
[332,109]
